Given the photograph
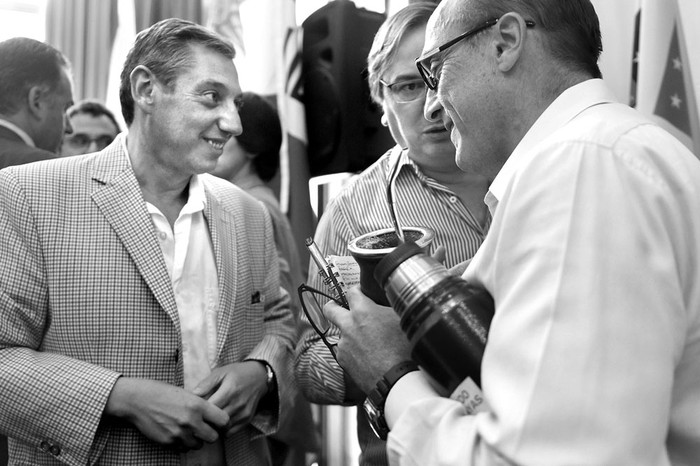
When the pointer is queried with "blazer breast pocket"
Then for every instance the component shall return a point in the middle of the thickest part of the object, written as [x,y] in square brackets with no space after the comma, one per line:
[249,324]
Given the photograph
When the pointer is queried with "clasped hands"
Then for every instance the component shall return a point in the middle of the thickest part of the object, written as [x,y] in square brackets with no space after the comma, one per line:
[221,404]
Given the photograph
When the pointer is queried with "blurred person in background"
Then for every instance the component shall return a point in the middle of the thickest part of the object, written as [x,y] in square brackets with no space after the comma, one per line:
[251,160]
[429,190]
[94,128]
[36,89]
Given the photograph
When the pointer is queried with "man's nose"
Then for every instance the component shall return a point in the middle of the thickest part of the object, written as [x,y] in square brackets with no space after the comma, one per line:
[432,107]
[230,120]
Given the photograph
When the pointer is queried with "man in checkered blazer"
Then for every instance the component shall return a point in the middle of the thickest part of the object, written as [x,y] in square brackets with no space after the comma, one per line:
[141,316]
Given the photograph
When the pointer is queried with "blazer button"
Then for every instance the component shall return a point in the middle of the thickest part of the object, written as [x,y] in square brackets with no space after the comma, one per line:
[55,450]
[44,445]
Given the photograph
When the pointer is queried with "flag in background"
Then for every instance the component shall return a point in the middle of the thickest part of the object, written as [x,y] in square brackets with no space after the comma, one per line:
[290,105]
[665,88]
[689,36]
[672,103]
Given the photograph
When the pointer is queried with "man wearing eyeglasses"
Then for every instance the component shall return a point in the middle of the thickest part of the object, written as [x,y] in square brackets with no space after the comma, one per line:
[593,256]
[428,188]
[94,128]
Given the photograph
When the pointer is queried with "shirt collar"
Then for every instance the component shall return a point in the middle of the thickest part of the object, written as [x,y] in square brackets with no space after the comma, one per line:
[19,131]
[563,109]
[196,198]
[400,156]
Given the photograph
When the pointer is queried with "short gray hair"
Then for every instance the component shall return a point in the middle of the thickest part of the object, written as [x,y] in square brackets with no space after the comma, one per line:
[164,48]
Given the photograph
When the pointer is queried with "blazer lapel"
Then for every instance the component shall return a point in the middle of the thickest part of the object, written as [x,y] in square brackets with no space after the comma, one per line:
[118,196]
[223,237]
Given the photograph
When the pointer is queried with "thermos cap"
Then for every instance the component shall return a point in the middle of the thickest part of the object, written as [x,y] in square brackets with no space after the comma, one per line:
[392,260]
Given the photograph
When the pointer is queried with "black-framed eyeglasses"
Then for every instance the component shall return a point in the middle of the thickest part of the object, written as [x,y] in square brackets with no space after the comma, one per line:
[312,305]
[423,62]
[407,90]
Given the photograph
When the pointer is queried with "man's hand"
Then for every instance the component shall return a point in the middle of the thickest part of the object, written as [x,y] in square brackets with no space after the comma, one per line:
[166,414]
[236,388]
[371,339]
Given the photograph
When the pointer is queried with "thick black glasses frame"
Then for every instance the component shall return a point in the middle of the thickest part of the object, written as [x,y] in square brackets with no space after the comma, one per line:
[304,288]
[423,62]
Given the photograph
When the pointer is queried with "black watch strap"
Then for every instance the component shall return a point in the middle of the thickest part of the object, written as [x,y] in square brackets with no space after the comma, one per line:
[395,373]
[374,404]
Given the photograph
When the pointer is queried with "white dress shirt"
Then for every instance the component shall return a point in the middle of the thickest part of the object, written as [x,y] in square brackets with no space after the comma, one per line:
[593,355]
[189,257]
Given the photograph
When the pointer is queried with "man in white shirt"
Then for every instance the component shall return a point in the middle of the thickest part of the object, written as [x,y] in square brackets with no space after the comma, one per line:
[593,257]
[143,320]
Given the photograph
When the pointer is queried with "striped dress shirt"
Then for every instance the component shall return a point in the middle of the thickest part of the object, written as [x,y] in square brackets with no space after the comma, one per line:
[362,207]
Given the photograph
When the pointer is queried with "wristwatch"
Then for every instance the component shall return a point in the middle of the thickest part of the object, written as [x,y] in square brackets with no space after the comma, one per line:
[374,403]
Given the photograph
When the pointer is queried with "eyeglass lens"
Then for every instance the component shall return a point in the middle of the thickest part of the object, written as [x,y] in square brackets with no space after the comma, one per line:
[408,91]
[315,311]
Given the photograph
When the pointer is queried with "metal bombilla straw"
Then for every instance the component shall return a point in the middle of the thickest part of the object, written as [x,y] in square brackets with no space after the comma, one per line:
[390,200]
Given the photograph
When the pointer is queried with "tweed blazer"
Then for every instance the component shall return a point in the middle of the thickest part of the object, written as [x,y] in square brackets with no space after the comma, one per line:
[14,151]
[85,297]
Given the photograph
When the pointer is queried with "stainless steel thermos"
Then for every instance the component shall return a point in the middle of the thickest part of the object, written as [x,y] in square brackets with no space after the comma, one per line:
[445,318]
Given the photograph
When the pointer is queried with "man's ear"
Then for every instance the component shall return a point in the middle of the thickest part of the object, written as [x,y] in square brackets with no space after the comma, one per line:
[37,101]
[510,40]
[143,85]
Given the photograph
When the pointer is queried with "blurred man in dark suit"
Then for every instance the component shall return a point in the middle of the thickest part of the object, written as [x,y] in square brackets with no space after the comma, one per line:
[36,89]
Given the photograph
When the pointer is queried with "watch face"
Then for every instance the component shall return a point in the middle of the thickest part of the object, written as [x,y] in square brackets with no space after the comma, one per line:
[376,419]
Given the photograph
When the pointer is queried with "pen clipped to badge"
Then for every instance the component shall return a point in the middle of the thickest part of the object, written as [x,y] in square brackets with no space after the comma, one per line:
[327,273]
